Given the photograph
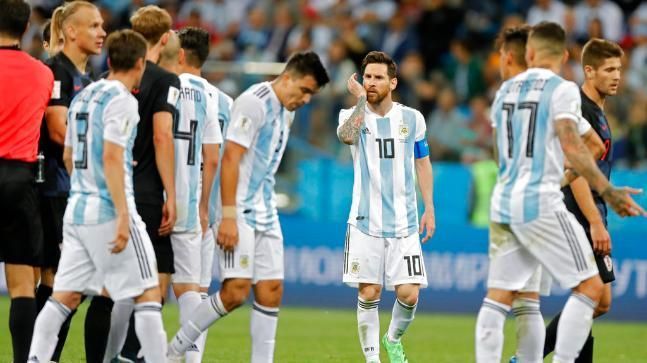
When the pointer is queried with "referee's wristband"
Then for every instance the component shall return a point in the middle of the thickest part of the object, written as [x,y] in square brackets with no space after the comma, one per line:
[229,212]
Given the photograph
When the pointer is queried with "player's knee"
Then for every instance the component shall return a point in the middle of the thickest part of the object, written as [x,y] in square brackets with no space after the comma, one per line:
[601,309]
[269,293]
[370,292]
[592,288]
[409,297]
[234,293]
[70,299]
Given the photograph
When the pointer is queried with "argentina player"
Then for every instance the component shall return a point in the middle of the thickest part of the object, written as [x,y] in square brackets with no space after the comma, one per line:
[388,143]
[105,244]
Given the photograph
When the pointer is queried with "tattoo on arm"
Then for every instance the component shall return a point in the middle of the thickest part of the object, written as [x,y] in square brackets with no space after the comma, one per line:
[349,131]
[579,156]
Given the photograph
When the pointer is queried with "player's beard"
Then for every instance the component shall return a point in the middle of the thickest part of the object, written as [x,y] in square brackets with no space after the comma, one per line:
[377,97]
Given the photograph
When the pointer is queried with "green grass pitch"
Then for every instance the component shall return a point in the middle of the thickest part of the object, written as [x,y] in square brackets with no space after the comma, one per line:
[320,335]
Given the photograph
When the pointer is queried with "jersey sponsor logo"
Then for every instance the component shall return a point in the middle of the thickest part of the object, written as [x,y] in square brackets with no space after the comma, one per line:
[366,131]
[56,90]
[173,95]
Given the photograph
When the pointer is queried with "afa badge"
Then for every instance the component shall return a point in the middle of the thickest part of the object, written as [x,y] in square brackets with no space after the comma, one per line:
[354,268]
[404,131]
[244,261]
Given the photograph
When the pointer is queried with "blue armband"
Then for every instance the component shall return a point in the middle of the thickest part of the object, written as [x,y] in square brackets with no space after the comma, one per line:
[421,149]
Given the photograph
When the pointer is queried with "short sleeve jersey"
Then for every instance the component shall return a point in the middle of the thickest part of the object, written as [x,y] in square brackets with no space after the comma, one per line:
[595,116]
[105,111]
[262,125]
[68,82]
[25,86]
[158,91]
[197,124]
[224,116]
[531,160]
[384,193]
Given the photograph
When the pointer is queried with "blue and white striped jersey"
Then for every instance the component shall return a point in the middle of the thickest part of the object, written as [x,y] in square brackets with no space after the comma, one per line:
[196,124]
[103,111]
[384,192]
[262,125]
[531,160]
[224,115]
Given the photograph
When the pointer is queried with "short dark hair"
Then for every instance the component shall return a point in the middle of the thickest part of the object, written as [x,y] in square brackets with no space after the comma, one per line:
[381,58]
[550,36]
[514,40]
[195,42]
[307,64]
[47,30]
[596,51]
[125,47]
[14,17]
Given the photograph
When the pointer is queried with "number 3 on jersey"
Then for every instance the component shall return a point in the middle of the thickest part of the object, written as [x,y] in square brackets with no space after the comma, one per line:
[81,157]
[509,109]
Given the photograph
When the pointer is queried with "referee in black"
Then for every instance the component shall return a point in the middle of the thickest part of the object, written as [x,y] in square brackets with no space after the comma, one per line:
[25,88]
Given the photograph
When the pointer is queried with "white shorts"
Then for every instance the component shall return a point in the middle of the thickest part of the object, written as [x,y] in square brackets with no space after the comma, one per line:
[539,282]
[208,251]
[384,261]
[556,241]
[187,248]
[87,265]
[258,255]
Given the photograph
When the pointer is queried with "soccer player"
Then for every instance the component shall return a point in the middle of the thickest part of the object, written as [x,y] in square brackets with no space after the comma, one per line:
[105,244]
[196,130]
[602,62]
[525,307]
[25,85]
[80,26]
[535,115]
[154,156]
[249,234]
[388,143]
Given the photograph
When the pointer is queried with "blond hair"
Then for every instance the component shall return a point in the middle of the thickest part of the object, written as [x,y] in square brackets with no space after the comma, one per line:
[152,22]
[61,16]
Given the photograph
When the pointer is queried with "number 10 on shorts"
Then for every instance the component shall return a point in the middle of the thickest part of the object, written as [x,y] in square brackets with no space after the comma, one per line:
[414,267]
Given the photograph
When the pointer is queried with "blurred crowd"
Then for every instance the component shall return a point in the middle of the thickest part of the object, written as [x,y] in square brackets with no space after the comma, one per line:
[448,67]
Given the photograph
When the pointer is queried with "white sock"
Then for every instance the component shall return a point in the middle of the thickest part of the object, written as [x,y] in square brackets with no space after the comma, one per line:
[263,330]
[150,331]
[531,331]
[119,321]
[573,327]
[489,331]
[368,327]
[200,320]
[188,302]
[196,357]
[401,317]
[46,329]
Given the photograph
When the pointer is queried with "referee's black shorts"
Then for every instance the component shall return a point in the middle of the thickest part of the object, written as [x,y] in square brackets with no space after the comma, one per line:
[151,214]
[52,211]
[21,233]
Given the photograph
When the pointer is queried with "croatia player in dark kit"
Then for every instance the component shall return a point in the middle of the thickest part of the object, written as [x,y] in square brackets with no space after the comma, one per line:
[601,60]
[154,162]
[79,25]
